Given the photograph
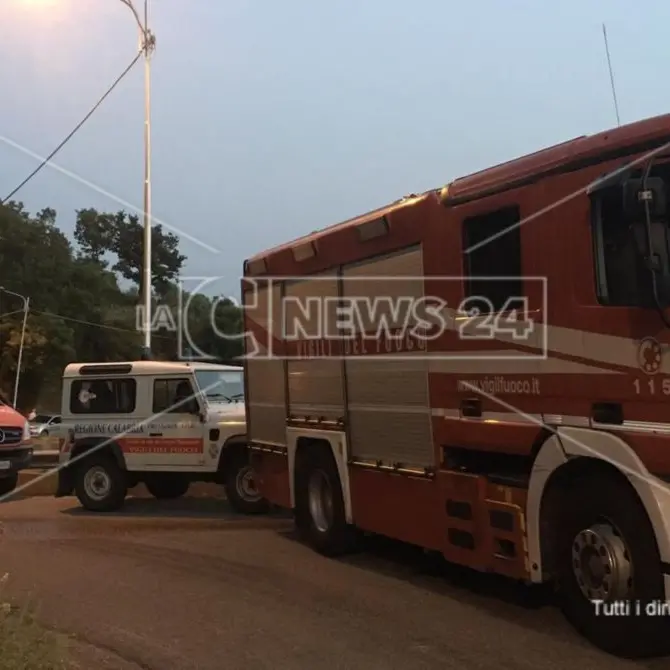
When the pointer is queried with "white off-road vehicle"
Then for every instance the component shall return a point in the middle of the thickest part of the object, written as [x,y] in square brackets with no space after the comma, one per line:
[164,424]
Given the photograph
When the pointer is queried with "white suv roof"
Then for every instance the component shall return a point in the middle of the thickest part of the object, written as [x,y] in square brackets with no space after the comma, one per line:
[145,367]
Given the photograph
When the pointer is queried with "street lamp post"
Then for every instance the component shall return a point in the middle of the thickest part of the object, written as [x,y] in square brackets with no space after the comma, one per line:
[147,45]
[26,309]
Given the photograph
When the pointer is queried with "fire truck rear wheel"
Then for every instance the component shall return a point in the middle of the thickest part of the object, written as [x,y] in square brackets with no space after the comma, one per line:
[100,484]
[320,506]
[608,552]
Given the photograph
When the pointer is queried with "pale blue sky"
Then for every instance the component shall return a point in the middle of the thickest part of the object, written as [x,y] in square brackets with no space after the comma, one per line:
[273,119]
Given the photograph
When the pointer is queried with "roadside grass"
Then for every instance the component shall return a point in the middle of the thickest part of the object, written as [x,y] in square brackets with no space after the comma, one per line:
[24,644]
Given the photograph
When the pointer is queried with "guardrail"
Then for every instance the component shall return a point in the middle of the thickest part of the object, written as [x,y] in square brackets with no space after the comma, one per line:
[45,454]
[44,459]
[49,443]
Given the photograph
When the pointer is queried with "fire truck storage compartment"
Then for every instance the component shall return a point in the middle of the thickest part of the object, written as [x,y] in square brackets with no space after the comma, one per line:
[387,391]
[265,371]
[316,384]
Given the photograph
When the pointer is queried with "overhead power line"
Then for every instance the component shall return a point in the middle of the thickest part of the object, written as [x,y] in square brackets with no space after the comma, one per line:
[90,113]
[103,326]
[82,322]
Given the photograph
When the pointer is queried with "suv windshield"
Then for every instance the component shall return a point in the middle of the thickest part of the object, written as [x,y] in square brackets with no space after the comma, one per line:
[221,385]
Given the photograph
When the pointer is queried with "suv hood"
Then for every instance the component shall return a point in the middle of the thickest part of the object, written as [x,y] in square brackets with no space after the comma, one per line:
[219,410]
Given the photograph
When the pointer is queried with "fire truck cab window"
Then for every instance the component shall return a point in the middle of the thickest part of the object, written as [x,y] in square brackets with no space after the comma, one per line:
[103,396]
[621,278]
[499,257]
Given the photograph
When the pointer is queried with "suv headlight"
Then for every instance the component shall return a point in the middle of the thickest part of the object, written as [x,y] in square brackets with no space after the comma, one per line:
[26,431]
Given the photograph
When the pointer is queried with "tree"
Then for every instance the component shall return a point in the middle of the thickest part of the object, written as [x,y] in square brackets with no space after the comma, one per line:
[121,236]
[81,307]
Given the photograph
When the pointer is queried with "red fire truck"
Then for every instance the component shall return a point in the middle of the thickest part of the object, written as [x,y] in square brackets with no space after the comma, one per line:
[481,370]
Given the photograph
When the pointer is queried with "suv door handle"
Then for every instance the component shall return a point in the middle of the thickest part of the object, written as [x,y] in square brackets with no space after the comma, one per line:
[155,434]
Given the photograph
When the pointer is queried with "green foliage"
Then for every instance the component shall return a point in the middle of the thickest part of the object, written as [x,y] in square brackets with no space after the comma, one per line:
[24,644]
[84,296]
[121,235]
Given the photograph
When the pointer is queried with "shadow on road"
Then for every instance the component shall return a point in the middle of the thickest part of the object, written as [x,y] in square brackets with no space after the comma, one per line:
[203,501]
[187,507]
[149,508]
[412,564]
[531,607]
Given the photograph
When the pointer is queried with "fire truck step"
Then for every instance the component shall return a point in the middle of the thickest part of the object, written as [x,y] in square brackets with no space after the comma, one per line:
[484,523]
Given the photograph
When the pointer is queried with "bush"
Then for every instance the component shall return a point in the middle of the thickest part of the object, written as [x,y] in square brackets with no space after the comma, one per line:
[24,644]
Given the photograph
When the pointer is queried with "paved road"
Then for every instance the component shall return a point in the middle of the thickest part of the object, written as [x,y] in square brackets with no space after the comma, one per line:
[195,588]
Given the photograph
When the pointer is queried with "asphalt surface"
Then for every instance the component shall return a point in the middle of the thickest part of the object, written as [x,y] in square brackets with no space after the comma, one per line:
[191,586]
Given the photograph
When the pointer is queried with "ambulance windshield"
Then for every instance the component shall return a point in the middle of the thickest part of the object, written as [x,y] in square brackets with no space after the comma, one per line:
[221,385]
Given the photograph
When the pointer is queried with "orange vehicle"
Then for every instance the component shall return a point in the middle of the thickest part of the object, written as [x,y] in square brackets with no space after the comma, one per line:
[16,450]
[481,371]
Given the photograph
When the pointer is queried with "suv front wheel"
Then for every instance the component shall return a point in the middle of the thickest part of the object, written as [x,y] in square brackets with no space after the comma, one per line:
[101,485]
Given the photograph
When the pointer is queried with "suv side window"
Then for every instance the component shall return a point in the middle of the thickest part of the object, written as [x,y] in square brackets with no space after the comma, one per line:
[487,267]
[103,396]
[169,392]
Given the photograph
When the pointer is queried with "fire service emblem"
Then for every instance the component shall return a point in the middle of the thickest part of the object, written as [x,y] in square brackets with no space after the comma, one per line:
[650,355]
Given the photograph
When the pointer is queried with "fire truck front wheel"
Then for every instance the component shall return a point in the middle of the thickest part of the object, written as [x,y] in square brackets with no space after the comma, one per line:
[101,485]
[609,569]
[320,513]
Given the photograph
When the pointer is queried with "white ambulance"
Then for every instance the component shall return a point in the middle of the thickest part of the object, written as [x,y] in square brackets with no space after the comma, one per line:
[163,424]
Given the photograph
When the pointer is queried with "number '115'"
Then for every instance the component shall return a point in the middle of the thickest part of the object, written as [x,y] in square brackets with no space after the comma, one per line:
[652,386]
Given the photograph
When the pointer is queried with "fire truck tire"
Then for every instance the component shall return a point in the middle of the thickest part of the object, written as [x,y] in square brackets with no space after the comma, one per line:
[100,484]
[320,513]
[167,487]
[607,551]
[8,484]
[241,491]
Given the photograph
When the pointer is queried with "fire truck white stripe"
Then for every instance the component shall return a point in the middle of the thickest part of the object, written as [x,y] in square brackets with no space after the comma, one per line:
[594,347]
[552,420]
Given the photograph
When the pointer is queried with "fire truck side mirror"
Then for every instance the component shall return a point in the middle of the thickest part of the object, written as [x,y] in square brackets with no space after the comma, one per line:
[654,249]
[636,195]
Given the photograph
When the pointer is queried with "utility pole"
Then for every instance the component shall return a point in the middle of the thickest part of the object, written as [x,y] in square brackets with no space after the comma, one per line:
[147,46]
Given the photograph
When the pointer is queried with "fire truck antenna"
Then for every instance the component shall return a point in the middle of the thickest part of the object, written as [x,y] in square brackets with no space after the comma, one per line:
[609,65]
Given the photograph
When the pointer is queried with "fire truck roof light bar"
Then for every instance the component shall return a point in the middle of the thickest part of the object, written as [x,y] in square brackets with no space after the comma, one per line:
[373,229]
